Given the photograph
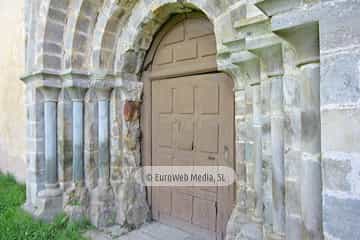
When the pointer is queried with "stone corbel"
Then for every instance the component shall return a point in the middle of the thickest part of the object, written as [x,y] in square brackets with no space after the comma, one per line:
[273,7]
[251,20]
[305,40]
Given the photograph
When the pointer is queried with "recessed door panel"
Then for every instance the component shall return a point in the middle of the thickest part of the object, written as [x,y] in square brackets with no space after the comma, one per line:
[208,135]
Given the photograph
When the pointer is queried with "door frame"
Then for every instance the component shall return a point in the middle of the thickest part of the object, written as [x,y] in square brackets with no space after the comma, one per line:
[146,107]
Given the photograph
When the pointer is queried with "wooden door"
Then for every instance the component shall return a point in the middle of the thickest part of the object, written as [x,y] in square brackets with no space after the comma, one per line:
[193,125]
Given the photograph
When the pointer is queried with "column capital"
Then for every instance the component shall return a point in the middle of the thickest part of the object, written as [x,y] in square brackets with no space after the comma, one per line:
[103,94]
[248,64]
[269,50]
[76,94]
[50,93]
[305,40]
[132,90]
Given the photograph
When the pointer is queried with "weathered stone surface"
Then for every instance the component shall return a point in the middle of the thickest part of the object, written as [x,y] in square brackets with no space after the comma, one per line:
[339,16]
[336,173]
[339,130]
[341,217]
[340,77]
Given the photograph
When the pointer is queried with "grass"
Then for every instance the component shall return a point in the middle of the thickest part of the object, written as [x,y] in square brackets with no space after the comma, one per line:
[15,224]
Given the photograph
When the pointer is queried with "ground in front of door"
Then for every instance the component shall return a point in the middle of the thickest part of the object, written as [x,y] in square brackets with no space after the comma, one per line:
[153,231]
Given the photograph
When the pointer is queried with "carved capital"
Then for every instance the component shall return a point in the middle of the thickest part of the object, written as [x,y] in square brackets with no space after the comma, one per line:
[76,94]
[103,94]
[50,94]
[268,48]
[305,40]
[132,90]
[249,65]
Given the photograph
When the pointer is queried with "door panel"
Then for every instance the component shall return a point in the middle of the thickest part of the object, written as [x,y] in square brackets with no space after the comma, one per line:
[184,99]
[208,135]
[194,127]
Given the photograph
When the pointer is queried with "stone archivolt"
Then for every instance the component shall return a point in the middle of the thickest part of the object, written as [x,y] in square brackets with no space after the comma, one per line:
[92,53]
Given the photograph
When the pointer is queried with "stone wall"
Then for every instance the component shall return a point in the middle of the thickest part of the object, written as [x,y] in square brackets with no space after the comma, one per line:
[295,64]
[12,92]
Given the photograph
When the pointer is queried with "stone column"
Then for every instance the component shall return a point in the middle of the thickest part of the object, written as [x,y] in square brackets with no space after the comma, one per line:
[50,199]
[305,40]
[277,145]
[249,66]
[104,137]
[258,178]
[77,197]
[249,161]
[77,98]
[50,122]
[269,50]
[103,212]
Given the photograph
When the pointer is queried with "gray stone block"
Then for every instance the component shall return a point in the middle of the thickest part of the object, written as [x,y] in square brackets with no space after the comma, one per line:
[340,131]
[57,15]
[83,25]
[294,228]
[335,174]
[340,77]
[341,217]
[61,4]
[53,62]
[54,32]
[337,26]
[52,48]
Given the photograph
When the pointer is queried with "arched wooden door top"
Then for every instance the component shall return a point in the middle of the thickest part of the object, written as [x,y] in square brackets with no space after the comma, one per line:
[185,46]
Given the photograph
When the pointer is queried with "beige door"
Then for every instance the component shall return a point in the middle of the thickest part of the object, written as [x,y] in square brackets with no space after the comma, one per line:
[192,124]
[188,120]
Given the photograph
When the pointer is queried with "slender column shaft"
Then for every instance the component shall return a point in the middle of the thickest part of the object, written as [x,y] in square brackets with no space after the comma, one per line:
[51,143]
[78,141]
[258,181]
[277,144]
[311,189]
[104,151]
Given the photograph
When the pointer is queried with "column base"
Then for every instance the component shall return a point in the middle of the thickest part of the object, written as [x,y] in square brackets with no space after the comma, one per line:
[236,222]
[257,220]
[250,231]
[48,206]
[102,210]
[276,236]
[76,202]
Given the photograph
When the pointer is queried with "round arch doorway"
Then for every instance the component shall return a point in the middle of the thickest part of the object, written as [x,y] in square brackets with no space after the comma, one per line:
[188,120]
